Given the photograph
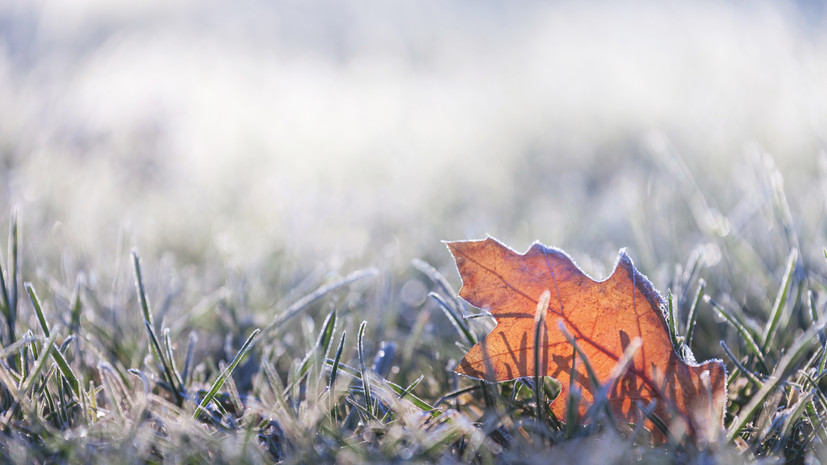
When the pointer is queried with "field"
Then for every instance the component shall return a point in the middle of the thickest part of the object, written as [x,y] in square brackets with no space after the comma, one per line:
[226,221]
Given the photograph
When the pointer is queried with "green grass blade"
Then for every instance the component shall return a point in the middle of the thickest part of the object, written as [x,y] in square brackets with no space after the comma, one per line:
[139,287]
[62,364]
[750,375]
[360,347]
[158,354]
[455,319]
[77,305]
[155,347]
[66,371]
[692,317]
[795,352]
[37,308]
[322,343]
[456,393]
[780,301]
[336,361]
[326,334]
[795,412]
[811,303]
[40,363]
[742,330]
[411,387]
[814,383]
[172,367]
[453,312]
[9,289]
[248,344]
[5,308]
[419,403]
[334,371]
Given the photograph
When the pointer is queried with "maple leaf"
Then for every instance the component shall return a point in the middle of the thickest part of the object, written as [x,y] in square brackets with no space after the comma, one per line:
[603,318]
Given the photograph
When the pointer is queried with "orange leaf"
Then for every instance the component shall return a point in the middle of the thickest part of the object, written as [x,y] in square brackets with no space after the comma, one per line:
[604,318]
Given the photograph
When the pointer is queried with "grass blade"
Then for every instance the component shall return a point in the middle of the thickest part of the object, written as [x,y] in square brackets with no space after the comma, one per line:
[173,379]
[173,368]
[434,275]
[76,305]
[62,364]
[780,301]
[66,371]
[326,335]
[692,317]
[796,351]
[363,368]
[749,374]
[336,360]
[40,363]
[158,354]
[455,319]
[411,387]
[37,308]
[322,343]
[331,384]
[793,414]
[225,373]
[454,312]
[9,289]
[139,287]
[742,330]
[539,327]
[419,403]
[5,308]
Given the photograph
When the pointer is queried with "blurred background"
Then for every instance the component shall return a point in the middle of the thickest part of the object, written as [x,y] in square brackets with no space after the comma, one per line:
[298,136]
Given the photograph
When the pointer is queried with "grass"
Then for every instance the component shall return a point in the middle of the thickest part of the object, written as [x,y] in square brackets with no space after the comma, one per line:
[343,370]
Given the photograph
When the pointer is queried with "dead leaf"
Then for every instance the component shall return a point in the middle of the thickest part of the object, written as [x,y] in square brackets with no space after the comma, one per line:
[603,317]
